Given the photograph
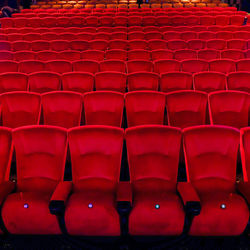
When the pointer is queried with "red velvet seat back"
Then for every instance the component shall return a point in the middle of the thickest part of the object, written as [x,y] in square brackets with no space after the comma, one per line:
[153,152]
[239,81]
[145,107]
[20,109]
[229,108]
[245,153]
[103,108]
[62,108]
[186,108]
[95,153]
[13,82]
[211,152]
[40,157]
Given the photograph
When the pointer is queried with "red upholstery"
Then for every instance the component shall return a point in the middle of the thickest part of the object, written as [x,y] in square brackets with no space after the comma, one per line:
[62,108]
[186,108]
[26,55]
[13,82]
[8,66]
[164,66]
[89,66]
[139,65]
[40,166]
[139,54]
[46,55]
[234,54]
[103,108]
[161,54]
[78,81]
[31,66]
[194,66]
[113,65]
[20,109]
[96,55]
[239,81]
[62,191]
[116,54]
[244,148]
[96,158]
[222,65]
[210,81]
[187,192]
[42,82]
[185,54]
[144,107]
[143,81]
[243,65]
[157,210]
[215,148]
[218,44]
[229,108]
[173,81]
[58,66]
[124,191]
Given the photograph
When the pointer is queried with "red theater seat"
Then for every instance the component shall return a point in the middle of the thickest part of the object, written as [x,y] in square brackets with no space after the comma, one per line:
[222,65]
[78,82]
[69,55]
[96,157]
[143,81]
[243,186]
[20,109]
[164,66]
[186,108]
[96,55]
[145,107]
[46,55]
[234,54]
[161,54]
[25,55]
[42,82]
[208,54]
[90,66]
[8,66]
[113,65]
[176,44]
[62,108]
[103,108]
[58,66]
[218,44]
[139,54]
[194,66]
[215,184]
[174,81]
[112,81]
[239,81]
[153,176]
[31,66]
[116,54]
[40,159]
[6,55]
[13,82]
[184,54]
[243,65]
[210,81]
[137,44]
[230,108]
[139,65]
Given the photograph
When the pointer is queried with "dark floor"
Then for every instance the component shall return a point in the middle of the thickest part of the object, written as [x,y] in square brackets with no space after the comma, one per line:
[67,242]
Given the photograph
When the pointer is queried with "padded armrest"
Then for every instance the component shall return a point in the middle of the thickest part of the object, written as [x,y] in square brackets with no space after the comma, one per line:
[244,189]
[124,197]
[6,188]
[59,197]
[190,198]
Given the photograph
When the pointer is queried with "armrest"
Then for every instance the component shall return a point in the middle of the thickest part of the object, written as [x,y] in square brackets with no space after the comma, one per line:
[59,197]
[244,189]
[6,188]
[190,198]
[124,197]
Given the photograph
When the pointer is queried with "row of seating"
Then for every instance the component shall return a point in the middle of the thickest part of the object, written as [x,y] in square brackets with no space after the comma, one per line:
[126,4]
[101,44]
[134,35]
[233,9]
[94,21]
[159,66]
[115,81]
[134,13]
[69,109]
[96,203]
[76,30]
[117,54]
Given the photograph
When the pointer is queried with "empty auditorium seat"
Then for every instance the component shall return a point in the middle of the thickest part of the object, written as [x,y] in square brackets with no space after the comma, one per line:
[31,66]
[13,82]
[143,81]
[116,54]
[6,55]
[218,44]
[144,107]
[96,158]
[164,66]
[243,65]
[46,55]
[113,65]
[103,108]
[243,186]
[229,108]
[90,66]
[234,54]
[25,55]
[8,66]
[186,108]
[69,55]
[139,65]
[78,81]
[210,81]
[239,81]
[62,108]
[208,54]
[161,54]
[40,160]
[20,108]
[194,66]
[215,184]
[222,65]
[58,66]
[42,82]
[174,81]
[184,54]
[176,44]
[96,55]
[153,176]
[112,81]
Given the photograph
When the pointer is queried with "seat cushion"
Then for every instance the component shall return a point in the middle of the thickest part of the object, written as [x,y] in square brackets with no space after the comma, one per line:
[222,214]
[92,213]
[28,213]
[156,212]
